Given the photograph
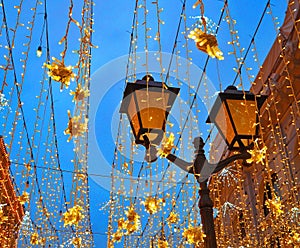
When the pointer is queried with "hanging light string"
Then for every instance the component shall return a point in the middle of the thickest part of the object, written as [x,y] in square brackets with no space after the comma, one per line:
[22,111]
[50,91]
[244,57]
[292,96]
[192,103]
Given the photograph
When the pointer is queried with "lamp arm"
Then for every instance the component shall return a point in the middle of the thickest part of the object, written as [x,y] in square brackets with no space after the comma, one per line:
[180,163]
[223,163]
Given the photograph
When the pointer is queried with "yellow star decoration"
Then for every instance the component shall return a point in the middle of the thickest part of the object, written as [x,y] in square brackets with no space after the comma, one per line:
[257,155]
[23,198]
[117,236]
[133,219]
[122,224]
[34,239]
[73,216]
[166,146]
[153,205]
[161,243]
[80,93]
[275,206]
[206,43]
[294,238]
[77,242]
[60,73]
[131,225]
[75,126]
[173,218]
[194,235]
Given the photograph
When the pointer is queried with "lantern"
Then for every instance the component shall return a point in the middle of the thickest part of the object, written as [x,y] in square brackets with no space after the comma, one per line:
[235,113]
[147,104]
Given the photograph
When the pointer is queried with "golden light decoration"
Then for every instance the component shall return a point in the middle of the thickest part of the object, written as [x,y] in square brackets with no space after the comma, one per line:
[173,218]
[166,146]
[73,216]
[117,236]
[122,224]
[206,43]
[294,238]
[34,239]
[60,73]
[77,241]
[23,198]
[75,126]
[161,243]
[275,206]
[257,155]
[133,220]
[194,235]
[153,205]
[80,93]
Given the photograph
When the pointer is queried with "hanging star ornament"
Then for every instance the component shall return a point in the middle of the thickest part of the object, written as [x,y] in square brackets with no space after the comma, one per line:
[76,128]
[153,205]
[73,216]
[194,235]
[206,43]
[257,155]
[166,146]
[60,73]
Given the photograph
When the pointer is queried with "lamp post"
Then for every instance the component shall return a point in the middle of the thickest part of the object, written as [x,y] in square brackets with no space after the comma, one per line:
[235,114]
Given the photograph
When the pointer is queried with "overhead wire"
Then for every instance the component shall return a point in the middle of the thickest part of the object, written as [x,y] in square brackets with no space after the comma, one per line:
[187,118]
[53,109]
[20,105]
[239,70]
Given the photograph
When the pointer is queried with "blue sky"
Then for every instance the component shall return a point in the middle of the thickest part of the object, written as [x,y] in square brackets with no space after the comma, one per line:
[112,28]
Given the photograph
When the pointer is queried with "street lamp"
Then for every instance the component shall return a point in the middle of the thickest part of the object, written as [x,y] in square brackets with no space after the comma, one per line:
[235,114]
[147,104]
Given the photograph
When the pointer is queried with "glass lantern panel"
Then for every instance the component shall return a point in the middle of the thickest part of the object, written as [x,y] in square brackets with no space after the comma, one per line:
[243,113]
[153,118]
[223,123]
[132,114]
[152,104]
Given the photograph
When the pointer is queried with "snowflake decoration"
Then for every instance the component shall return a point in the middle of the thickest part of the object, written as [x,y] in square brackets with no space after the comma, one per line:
[194,235]
[203,22]
[153,205]
[226,206]
[167,146]
[206,43]
[275,206]
[161,243]
[75,126]
[173,218]
[227,174]
[34,239]
[117,236]
[73,216]
[77,242]
[294,238]
[127,226]
[295,213]
[257,155]
[3,101]
[23,198]
[80,93]
[60,73]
